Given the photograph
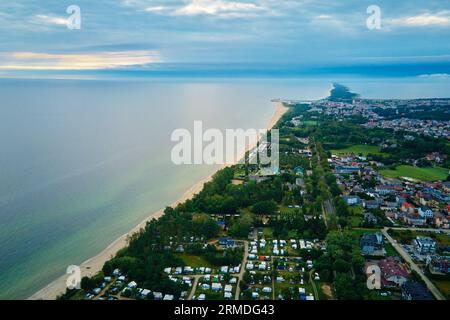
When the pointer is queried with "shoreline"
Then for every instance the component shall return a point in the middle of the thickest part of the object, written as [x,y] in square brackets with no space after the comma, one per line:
[95,264]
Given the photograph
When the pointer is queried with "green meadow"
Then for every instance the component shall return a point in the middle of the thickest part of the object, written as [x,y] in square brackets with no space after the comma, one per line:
[359,149]
[423,174]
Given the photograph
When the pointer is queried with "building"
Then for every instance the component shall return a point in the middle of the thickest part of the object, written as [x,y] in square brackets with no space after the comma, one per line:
[442,220]
[424,245]
[371,204]
[439,264]
[415,291]
[408,207]
[372,244]
[393,273]
[414,219]
[426,212]
[346,170]
[370,218]
[352,200]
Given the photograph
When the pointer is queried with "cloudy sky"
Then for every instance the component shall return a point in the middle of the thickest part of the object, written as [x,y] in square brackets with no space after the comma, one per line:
[140,33]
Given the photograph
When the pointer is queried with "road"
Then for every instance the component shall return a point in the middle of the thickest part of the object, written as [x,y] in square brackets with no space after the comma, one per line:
[242,271]
[437,294]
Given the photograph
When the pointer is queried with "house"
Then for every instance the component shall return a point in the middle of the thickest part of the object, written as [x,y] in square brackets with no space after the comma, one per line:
[346,170]
[370,218]
[442,220]
[385,189]
[424,245]
[408,207]
[414,219]
[439,264]
[132,285]
[227,295]
[415,291]
[371,204]
[426,212]
[392,272]
[372,244]
[228,288]
[352,200]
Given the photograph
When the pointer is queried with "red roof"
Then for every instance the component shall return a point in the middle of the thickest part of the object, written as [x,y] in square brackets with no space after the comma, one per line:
[407,205]
[390,268]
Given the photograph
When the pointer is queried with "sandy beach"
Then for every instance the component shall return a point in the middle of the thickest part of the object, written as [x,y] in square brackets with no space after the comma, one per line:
[93,265]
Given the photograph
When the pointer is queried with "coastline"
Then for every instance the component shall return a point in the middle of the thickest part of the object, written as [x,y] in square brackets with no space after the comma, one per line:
[94,264]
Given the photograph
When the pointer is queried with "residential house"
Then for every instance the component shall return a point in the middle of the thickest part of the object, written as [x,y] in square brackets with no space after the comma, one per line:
[408,207]
[352,200]
[393,272]
[426,212]
[414,219]
[370,218]
[371,204]
[442,220]
[372,244]
[346,170]
[424,245]
[439,264]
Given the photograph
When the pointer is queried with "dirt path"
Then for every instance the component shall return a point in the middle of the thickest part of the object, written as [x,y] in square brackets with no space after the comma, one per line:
[242,271]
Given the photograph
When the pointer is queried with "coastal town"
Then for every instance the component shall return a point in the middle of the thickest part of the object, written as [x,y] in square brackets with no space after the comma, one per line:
[358,210]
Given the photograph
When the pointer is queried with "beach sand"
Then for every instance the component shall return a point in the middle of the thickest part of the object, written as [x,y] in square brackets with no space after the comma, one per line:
[93,265]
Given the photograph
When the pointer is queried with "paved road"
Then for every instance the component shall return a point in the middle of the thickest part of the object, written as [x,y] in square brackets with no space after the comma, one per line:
[242,271]
[437,294]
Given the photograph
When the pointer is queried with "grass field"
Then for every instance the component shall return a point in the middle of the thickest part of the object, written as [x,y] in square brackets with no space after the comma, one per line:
[423,174]
[310,123]
[443,286]
[358,149]
[194,261]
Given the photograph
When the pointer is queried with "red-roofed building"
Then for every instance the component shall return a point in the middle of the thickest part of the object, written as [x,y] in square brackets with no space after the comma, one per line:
[408,207]
[393,273]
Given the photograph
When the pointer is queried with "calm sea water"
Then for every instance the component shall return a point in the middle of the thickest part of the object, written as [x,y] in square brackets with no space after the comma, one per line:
[82,162]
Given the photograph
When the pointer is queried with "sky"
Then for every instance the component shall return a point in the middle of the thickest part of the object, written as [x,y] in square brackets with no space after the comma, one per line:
[145,34]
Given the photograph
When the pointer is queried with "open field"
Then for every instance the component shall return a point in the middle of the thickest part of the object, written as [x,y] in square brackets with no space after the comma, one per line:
[194,261]
[310,123]
[443,286]
[358,149]
[424,174]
